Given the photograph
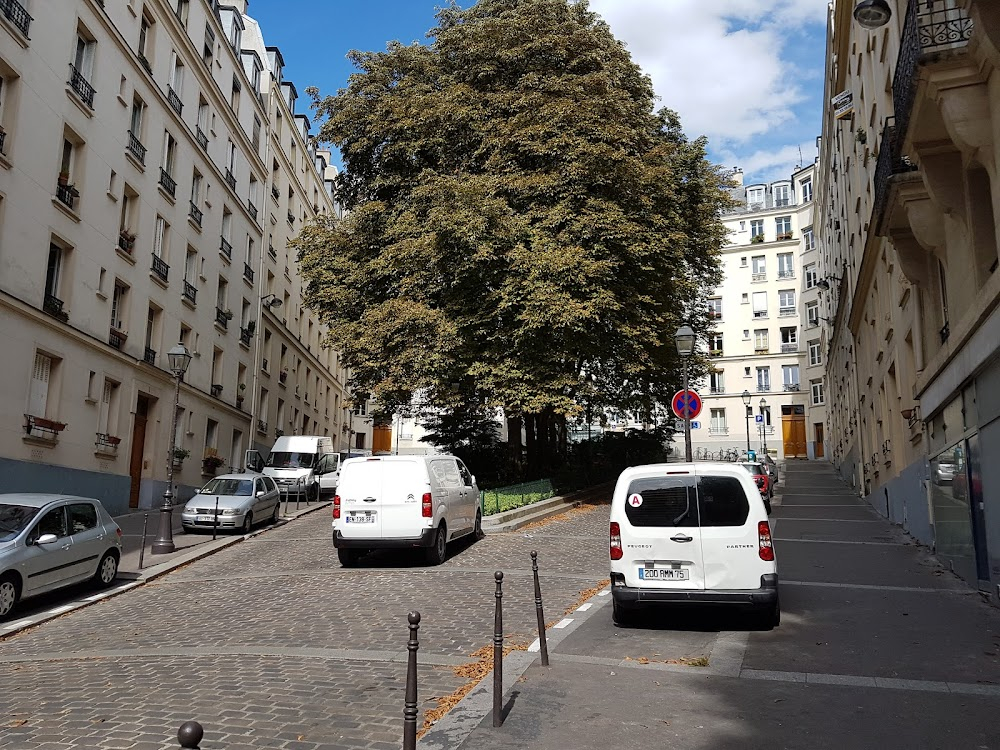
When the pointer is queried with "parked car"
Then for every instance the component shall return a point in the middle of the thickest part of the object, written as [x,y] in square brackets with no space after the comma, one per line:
[772,468]
[763,481]
[386,502]
[50,541]
[691,534]
[243,500]
[293,464]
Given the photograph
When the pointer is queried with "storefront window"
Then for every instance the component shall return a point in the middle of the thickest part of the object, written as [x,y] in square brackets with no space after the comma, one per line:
[952,520]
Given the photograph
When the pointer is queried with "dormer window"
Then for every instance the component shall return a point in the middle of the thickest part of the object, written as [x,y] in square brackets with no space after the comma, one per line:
[755,197]
[782,195]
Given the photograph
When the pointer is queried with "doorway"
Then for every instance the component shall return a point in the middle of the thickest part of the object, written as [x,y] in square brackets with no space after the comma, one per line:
[138,449]
[793,433]
[819,439]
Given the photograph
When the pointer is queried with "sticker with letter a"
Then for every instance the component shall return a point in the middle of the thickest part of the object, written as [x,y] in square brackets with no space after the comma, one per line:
[635,500]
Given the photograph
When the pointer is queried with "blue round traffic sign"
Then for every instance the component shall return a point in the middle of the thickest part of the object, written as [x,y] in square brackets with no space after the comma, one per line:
[686,404]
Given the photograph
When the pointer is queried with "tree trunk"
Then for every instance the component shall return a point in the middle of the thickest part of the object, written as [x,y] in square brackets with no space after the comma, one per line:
[531,443]
[516,454]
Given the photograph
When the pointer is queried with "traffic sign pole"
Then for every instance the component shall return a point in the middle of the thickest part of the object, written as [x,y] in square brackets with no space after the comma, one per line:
[687,420]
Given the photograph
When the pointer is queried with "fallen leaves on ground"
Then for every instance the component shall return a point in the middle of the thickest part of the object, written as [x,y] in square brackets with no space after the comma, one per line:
[564,516]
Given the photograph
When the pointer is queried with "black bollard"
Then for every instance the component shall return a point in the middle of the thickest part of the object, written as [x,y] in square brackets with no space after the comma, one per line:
[543,648]
[498,654]
[190,734]
[142,549]
[410,698]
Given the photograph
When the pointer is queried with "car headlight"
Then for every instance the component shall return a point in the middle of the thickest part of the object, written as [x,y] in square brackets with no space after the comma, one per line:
[230,512]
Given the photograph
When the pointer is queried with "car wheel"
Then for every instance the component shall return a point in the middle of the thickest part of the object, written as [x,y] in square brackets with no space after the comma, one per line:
[9,594]
[622,616]
[247,523]
[107,569]
[349,557]
[437,553]
[276,516]
[479,525]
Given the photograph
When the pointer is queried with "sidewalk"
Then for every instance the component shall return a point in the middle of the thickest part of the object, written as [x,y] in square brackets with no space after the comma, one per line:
[879,646]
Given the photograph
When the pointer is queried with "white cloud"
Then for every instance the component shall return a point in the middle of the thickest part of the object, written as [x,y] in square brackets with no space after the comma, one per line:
[767,165]
[719,63]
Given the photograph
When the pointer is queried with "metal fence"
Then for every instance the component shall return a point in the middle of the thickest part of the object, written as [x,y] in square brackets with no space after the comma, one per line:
[514,496]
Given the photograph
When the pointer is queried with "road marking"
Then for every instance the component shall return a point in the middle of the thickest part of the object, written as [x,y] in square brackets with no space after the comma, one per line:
[563,623]
[535,646]
[874,587]
[604,593]
[584,607]
[885,683]
[839,520]
[63,608]
[834,541]
[19,624]
[819,505]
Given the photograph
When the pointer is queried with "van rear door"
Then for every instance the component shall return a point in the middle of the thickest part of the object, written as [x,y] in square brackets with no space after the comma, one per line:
[730,509]
[661,538]
[360,493]
[404,482]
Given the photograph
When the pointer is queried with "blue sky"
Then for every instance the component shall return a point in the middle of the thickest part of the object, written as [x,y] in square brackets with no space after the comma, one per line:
[746,73]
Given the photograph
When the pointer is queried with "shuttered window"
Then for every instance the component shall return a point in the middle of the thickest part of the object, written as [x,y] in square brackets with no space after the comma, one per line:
[38,395]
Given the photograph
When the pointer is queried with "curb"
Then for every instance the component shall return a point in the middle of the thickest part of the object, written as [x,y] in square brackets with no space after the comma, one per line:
[513,520]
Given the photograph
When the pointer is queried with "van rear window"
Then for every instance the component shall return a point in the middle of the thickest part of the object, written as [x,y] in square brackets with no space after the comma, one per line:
[723,502]
[662,501]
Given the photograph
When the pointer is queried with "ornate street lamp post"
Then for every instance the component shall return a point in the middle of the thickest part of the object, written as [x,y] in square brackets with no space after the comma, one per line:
[749,411]
[178,358]
[763,425]
[684,340]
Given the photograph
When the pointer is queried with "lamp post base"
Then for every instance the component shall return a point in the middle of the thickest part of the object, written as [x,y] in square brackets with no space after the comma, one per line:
[164,542]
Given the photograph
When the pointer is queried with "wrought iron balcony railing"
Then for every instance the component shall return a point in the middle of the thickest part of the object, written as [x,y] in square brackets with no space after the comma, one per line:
[291,218]
[786,312]
[174,100]
[168,182]
[221,317]
[116,338]
[230,179]
[17,15]
[225,247]
[788,273]
[262,426]
[718,430]
[760,313]
[252,209]
[758,277]
[791,386]
[789,348]
[717,389]
[275,193]
[200,136]
[3,137]
[67,194]
[136,148]
[81,86]
[190,292]
[144,61]
[195,213]
[248,272]
[763,387]
[149,357]
[160,268]
[54,307]
[245,336]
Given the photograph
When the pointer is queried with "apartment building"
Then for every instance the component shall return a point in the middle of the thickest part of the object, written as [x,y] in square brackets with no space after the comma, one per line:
[756,396]
[152,169]
[907,197]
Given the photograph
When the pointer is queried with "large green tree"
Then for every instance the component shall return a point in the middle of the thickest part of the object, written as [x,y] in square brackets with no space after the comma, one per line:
[522,223]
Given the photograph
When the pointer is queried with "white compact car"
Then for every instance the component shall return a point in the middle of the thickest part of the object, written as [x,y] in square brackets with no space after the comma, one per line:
[386,502]
[691,534]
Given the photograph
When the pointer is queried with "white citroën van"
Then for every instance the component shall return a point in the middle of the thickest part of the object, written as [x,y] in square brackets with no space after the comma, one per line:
[386,502]
[691,533]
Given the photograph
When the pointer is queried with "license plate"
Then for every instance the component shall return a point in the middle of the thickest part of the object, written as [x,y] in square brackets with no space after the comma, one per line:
[206,519]
[359,518]
[664,574]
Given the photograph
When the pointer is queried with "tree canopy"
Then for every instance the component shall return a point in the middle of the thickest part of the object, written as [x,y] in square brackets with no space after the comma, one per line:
[523,225]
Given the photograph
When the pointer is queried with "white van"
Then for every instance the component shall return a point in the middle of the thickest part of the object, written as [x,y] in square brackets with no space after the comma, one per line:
[691,533]
[295,463]
[403,502]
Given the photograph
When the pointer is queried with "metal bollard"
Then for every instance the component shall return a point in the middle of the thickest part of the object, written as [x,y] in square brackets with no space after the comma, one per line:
[410,698]
[215,520]
[298,493]
[190,734]
[498,654]
[543,648]
[142,549]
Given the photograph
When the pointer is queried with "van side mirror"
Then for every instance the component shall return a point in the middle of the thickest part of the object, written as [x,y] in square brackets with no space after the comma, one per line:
[473,479]
[46,539]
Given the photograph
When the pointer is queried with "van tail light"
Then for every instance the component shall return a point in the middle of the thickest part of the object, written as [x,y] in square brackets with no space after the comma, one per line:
[765,550]
[426,510]
[336,507]
[764,483]
[616,541]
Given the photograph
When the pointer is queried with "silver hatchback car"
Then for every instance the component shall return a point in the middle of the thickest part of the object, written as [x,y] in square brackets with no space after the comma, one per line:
[242,501]
[50,541]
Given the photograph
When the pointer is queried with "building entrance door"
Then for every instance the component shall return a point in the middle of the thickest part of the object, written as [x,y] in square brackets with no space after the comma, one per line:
[138,450]
[793,433]
[819,439]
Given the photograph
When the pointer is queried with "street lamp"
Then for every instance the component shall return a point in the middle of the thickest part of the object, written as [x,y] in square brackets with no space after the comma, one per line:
[749,411]
[763,426]
[178,360]
[684,340]
[872,14]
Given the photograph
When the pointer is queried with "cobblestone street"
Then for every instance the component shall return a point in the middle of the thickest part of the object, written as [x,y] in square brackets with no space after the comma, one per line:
[271,644]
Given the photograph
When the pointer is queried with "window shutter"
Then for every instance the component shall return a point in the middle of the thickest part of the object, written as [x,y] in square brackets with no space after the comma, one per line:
[39,392]
[760,301]
[102,420]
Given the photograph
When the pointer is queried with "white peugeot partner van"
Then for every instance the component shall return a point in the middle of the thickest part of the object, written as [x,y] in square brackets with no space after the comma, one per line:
[691,533]
[296,463]
[385,502]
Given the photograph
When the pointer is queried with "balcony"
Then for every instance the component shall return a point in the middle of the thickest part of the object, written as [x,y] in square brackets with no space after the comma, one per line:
[149,357]
[761,350]
[116,338]
[717,389]
[718,430]
[222,317]
[199,135]
[789,348]
[760,313]
[758,277]
[786,312]
[67,195]
[791,387]
[291,218]
[245,335]
[261,426]
[230,179]
[763,387]
[3,137]
[715,352]
[17,15]
[126,241]
[174,100]
[190,292]
[81,86]
[252,209]
[144,61]
[136,148]
[226,248]
[272,252]
[168,183]
[195,213]
[54,307]
[216,390]
[782,236]
[160,268]
[275,193]
[786,274]
[106,443]
[247,272]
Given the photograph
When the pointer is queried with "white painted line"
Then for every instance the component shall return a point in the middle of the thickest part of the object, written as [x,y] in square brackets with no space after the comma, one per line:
[837,541]
[95,597]
[584,607]
[535,646]
[563,623]
[839,520]
[873,587]
[60,610]
[19,624]
[604,593]
[818,505]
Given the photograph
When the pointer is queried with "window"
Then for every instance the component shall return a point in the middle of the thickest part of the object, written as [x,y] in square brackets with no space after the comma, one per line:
[786,302]
[786,266]
[222,293]
[790,339]
[755,197]
[759,268]
[53,272]
[38,392]
[715,308]
[208,51]
[783,227]
[782,195]
[359,441]
[718,423]
[211,436]
[145,44]
[68,162]
[743,262]
[808,239]
[176,74]
[227,224]
[135,121]
[812,314]
[190,265]
[250,251]
[152,319]
[746,334]
[255,77]
[746,372]
[807,190]
[811,277]
[118,301]
[169,153]
[83,56]
[745,298]
[815,353]
[196,181]
[760,304]
[231,157]
[234,97]
[760,340]
[722,502]
[255,138]
[182,10]
[82,517]
[763,379]
[53,522]
[790,377]
[202,116]
[757,230]
[160,232]
[715,344]
[816,388]
[716,382]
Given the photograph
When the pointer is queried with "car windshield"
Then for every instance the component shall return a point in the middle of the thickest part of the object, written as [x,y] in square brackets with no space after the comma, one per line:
[14,519]
[291,460]
[753,468]
[224,486]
